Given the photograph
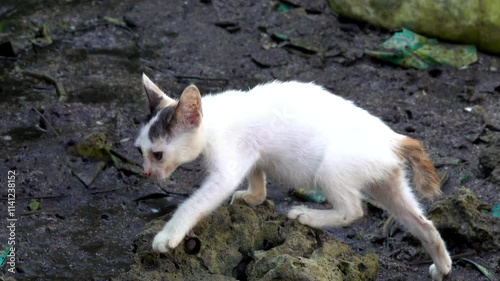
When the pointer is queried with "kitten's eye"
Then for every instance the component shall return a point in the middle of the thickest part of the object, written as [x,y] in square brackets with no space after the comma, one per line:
[140,150]
[158,155]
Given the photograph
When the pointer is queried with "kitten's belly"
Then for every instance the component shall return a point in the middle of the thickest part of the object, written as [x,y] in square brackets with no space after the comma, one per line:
[291,172]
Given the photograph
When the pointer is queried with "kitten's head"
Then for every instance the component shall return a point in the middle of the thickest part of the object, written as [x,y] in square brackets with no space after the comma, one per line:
[173,134]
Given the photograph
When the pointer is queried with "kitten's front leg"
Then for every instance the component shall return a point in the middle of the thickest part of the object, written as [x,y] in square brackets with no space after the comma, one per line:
[211,194]
[217,188]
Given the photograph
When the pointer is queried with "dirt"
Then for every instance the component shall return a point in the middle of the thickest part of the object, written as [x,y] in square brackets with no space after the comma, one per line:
[91,209]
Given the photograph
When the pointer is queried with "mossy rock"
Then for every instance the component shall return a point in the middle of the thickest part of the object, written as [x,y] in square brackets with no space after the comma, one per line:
[471,22]
[465,221]
[239,242]
[94,145]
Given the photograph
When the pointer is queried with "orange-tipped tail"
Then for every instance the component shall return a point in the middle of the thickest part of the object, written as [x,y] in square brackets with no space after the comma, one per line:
[425,176]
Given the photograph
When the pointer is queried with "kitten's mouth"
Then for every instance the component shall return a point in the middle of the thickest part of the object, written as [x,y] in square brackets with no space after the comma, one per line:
[164,175]
[161,175]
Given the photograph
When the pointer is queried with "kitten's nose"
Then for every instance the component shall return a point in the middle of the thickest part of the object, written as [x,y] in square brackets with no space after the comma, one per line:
[148,173]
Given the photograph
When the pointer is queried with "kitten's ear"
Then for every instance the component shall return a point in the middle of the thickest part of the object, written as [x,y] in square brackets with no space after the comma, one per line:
[188,110]
[156,97]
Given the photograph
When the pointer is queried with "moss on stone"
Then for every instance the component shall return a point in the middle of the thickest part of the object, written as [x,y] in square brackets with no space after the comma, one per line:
[464,220]
[238,242]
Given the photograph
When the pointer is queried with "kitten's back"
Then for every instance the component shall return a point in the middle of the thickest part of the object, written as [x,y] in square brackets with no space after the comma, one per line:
[295,105]
[295,125]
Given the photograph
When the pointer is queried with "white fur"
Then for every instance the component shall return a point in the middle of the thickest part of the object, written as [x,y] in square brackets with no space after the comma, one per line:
[302,135]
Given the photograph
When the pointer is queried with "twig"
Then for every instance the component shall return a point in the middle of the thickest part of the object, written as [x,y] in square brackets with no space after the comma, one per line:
[104,191]
[124,158]
[46,121]
[35,212]
[387,228]
[443,179]
[189,77]
[61,93]
[157,195]
[38,197]
[454,257]
[76,175]
[175,193]
[45,196]
[115,21]
[9,58]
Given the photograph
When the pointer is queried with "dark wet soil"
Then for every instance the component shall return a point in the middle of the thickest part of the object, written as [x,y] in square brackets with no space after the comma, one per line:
[98,50]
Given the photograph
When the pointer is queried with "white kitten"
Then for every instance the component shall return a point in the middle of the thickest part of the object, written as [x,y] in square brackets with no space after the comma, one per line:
[297,133]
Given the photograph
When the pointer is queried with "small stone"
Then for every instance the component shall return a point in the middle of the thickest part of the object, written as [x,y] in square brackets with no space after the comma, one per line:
[271,57]
[50,228]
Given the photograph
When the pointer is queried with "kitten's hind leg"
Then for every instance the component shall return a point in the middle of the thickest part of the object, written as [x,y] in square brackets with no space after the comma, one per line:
[256,192]
[346,209]
[396,197]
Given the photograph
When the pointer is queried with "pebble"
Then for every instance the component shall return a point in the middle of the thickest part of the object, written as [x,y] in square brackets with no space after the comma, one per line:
[50,228]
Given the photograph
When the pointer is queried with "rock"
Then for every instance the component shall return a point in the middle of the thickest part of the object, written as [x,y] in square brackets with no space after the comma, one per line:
[94,145]
[271,57]
[238,242]
[464,221]
[495,176]
[489,160]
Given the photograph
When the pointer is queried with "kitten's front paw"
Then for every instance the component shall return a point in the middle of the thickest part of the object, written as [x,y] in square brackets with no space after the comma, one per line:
[166,240]
[249,198]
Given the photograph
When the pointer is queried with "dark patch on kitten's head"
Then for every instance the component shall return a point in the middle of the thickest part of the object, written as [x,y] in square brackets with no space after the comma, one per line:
[165,123]
[152,113]
[154,100]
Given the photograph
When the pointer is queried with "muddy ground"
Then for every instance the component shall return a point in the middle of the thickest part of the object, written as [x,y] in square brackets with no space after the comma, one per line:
[83,227]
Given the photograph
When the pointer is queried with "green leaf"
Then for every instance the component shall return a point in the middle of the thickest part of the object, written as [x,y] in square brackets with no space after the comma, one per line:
[285,7]
[465,178]
[116,161]
[481,269]
[115,21]
[5,253]
[309,195]
[34,204]
[496,211]
[409,49]
[280,36]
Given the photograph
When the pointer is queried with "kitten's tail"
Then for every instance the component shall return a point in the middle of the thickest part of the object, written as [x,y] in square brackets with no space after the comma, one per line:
[425,176]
